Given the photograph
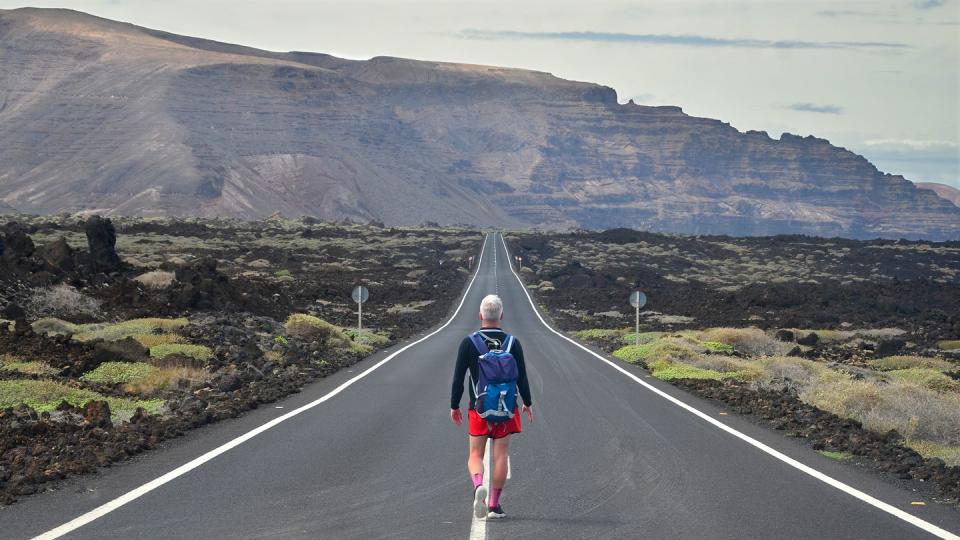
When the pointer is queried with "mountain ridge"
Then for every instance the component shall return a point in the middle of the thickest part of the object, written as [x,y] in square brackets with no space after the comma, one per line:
[99,115]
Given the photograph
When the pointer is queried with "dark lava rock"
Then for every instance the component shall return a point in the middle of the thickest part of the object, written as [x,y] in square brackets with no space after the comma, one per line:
[125,350]
[785,335]
[17,245]
[102,241]
[228,382]
[97,414]
[203,286]
[809,340]
[796,351]
[889,347]
[59,255]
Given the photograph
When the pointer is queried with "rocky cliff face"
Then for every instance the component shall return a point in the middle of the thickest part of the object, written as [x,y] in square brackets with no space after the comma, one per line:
[949,193]
[99,115]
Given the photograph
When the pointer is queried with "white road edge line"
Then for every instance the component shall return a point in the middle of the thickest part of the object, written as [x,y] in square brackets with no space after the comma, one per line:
[852,491]
[110,506]
[478,526]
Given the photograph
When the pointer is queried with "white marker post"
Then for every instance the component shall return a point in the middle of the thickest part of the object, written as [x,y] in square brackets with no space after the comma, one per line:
[638,300]
[360,295]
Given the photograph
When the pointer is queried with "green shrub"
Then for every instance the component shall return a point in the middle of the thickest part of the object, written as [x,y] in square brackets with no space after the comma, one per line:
[125,329]
[282,273]
[197,352]
[661,349]
[12,363]
[667,371]
[949,344]
[751,341]
[717,347]
[367,337]
[310,328]
[928,378]
[119,372]
[152,340]
[46,395]
[645,337]
[597,333]
[53,327]
[891,363]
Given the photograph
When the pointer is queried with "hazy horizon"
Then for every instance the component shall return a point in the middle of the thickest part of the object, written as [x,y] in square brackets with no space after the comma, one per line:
[880,79]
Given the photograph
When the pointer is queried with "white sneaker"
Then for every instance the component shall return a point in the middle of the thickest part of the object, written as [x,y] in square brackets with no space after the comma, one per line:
[480,502]
[496,513]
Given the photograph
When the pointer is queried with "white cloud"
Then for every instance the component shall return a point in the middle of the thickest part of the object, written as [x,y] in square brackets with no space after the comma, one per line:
[912,144]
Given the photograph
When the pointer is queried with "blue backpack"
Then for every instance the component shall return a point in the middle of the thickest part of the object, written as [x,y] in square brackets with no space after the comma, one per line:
[496,387]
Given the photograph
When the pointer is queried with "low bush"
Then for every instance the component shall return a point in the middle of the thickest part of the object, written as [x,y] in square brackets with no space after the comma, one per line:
[118,372]
[197,352]
[661,349]
[645,337]
[741,369]
[717,347]
[50,326]
[12,363]
[752,341]
[891,363]
[131,328]
[949,344]
[950,454]
[158,279]
[309,328]
[61,301]
[367,337]
[668,371]
[779,372]
[46,395]
[914,411]
[598,333]
[152,340]
[165,377]
[927,378]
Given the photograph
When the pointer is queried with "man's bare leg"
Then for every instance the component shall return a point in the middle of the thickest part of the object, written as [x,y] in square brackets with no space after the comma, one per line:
[478,446]
[500,451]
[475,466]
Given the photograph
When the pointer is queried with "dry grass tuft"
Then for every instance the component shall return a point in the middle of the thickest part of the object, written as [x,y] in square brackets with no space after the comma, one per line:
[61,301]
[165,377]
[752,341]
[158,279]
[890,363]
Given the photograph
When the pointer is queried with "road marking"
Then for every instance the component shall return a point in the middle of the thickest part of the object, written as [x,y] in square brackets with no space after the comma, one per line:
[478,526]
[130,496]
[849,490]
[508,468]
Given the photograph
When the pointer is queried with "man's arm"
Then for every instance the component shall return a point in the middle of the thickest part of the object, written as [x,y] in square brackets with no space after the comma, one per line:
[522,383]
[459,372]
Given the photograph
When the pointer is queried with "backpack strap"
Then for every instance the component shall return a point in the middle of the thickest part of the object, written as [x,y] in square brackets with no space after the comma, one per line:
[508,343]
[479,343]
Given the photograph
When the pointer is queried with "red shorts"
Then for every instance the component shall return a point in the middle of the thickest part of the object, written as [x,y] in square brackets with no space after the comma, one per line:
[478,427]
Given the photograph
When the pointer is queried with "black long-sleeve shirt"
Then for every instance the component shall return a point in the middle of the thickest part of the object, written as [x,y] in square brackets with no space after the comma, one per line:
[467,361]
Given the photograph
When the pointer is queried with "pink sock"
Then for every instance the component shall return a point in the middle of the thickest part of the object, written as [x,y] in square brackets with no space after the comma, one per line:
[494,497]
[477,480]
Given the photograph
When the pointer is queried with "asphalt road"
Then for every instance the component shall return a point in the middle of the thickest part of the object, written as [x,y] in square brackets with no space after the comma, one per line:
[605,457]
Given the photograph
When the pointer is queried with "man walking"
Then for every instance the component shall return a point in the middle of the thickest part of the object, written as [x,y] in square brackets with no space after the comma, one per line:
[493,358]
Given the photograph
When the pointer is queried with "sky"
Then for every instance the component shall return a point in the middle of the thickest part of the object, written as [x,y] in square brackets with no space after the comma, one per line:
[881,77]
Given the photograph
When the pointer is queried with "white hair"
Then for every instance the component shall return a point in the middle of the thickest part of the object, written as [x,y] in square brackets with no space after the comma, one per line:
[491,307]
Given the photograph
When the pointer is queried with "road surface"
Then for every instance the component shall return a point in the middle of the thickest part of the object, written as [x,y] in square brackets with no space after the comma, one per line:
[606,457]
